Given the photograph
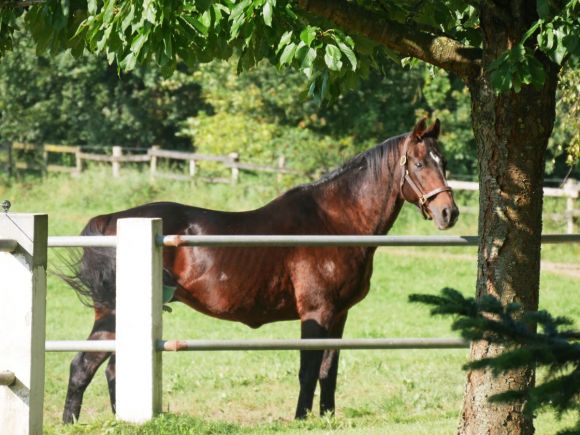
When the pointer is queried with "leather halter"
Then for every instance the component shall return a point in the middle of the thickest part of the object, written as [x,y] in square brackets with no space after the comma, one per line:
[423,197]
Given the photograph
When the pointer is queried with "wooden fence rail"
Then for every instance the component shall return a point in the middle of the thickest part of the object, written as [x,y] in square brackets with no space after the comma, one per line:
[26,156]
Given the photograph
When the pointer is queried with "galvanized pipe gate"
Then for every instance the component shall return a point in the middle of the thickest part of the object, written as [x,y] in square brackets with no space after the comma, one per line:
[139,243]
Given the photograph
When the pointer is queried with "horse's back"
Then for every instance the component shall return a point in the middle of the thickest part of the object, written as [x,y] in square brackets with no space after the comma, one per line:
[175,216]
[288,214]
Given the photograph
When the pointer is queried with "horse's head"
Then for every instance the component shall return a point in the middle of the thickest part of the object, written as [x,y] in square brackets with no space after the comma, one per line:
[423,180]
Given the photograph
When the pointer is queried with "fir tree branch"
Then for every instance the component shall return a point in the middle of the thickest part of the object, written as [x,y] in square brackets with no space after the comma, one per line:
[554,349]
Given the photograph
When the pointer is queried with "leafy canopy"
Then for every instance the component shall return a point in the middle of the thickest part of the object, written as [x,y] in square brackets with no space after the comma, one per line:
[295,33]
[333,43]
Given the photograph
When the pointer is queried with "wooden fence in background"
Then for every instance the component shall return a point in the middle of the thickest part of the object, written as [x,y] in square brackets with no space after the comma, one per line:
[23,156]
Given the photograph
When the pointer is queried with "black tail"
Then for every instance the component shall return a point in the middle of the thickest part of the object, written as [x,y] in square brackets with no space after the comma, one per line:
[91,272]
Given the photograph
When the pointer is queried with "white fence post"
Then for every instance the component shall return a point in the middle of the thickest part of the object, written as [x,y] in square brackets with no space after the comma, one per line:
[117,154]
[22,322]
[139,323]
[571,195]
[78,162]
[234,159]
[153,161]
[281,166]
[192,168]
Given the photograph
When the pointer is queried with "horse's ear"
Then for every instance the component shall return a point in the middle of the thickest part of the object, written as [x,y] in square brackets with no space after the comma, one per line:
[433,130]
[419,128]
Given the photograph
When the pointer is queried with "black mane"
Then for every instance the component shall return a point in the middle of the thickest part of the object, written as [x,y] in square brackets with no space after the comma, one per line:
[372,159]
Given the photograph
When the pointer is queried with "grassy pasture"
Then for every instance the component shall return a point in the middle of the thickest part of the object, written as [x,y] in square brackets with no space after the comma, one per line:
[394,392]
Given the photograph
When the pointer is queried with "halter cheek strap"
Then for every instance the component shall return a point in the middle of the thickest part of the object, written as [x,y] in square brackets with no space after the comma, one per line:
[423,197]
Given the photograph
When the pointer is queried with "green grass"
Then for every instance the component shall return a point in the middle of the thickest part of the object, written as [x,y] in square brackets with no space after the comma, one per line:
[398,392]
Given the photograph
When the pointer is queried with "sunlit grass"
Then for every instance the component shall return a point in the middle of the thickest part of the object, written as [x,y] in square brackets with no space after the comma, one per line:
[398,392]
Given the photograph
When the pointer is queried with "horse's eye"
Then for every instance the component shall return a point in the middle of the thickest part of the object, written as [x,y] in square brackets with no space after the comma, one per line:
[419,165]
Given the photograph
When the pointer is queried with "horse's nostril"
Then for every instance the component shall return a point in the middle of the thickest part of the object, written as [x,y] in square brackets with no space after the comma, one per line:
[445,213]
[454,214]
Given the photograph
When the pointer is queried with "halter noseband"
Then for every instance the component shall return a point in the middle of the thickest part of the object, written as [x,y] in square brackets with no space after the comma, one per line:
[423,197]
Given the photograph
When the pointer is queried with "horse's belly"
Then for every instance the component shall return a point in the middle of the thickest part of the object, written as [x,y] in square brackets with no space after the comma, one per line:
[253,306]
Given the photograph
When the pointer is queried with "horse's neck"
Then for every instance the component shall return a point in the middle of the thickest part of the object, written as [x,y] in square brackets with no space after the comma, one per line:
[364,204]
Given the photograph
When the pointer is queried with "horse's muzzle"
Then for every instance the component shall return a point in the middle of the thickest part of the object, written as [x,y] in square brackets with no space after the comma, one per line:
[446,216]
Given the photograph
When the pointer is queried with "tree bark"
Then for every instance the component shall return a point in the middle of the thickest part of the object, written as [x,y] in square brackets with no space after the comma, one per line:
[511,132]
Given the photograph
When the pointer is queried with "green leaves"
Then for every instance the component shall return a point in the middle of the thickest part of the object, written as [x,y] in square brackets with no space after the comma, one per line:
[332,57]
[556,35]
[308,35]
[516,68]
[54,25]
[559,39]
[267,12]
[327,58]
[348,51]
[161,32]
[165,32]
[284,40]
[288,54]
[238,17]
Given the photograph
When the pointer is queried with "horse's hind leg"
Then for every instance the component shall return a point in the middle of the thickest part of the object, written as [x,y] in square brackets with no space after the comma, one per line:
[329,370]
[84,366]
[310,361]
[110,373]
[82,370]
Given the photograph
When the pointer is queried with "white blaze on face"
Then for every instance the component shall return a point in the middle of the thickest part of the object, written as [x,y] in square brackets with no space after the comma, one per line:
[435,157]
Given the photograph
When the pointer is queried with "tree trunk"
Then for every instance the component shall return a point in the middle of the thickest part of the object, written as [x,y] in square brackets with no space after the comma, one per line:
[512,132]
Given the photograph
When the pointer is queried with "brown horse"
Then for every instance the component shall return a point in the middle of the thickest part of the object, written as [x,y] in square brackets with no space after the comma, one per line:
[257,286]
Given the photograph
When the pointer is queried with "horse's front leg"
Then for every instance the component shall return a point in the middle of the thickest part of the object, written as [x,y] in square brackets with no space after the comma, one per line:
[310,361]
[329,370]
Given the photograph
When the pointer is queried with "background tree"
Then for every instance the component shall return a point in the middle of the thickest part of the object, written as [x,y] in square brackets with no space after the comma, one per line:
[60,99]
[263,111]
[565,140]
[513,47]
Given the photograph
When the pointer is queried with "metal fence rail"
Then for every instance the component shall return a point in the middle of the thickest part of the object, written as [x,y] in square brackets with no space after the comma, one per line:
[265,344]
[7,377]
[80,346]
[284,240]
[313,344]
[275,241]
[350,240]
[82,241]
[8,245]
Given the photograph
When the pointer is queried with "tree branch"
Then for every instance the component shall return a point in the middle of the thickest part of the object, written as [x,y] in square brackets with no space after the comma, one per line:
[441,51]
